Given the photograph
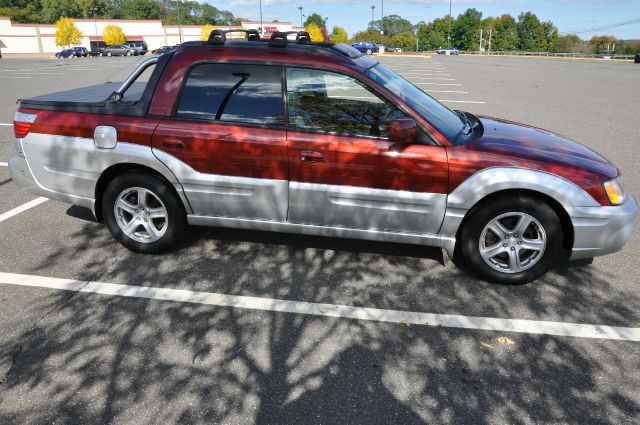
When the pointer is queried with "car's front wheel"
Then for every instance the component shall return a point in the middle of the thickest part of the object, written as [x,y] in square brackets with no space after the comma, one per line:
[512,240]
[143,213]
[369,51]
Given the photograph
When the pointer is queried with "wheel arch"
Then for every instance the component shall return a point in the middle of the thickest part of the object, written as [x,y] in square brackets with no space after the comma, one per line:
[118,169]
[561,212]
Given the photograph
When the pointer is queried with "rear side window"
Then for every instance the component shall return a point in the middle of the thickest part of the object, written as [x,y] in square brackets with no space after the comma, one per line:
[249,94]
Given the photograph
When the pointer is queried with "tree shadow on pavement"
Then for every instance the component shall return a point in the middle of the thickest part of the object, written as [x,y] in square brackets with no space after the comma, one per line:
[96,359]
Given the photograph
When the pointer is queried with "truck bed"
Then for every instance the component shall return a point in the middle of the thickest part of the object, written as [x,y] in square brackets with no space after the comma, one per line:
[84,97]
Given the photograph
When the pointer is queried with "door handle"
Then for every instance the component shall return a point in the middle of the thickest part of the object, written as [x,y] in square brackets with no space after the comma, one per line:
[311,156]
[173,143]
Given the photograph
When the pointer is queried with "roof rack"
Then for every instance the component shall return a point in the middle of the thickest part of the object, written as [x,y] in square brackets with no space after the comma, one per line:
[278,38]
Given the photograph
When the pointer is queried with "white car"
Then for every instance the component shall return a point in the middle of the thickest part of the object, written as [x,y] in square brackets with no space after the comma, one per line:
[448,52]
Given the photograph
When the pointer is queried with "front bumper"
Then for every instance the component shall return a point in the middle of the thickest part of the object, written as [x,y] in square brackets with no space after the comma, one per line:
[602,230]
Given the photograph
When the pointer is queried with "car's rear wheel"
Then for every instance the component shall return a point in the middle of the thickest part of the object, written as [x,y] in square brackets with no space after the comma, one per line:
[143,213]
[129,53]
[512,240]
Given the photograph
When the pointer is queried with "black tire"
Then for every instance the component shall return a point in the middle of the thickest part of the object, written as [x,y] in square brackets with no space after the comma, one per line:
[468,255]
[176,216]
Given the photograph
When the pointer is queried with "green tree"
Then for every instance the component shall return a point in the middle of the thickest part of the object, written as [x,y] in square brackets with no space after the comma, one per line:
[505,34]
[85,7]
[531,34]
[466,31]
[392,25]
[339,35]
[316,19]
[67,33]
[433,36]
[405,40]
[52,10]
[140,9]
[113,34]
[28,14]
[567,44]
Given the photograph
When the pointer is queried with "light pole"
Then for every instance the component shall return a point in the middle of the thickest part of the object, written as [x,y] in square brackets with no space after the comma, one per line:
[94,9]
[449,36]
[261,28]
[300,9]
[179,27]
[372,7]
[382,25]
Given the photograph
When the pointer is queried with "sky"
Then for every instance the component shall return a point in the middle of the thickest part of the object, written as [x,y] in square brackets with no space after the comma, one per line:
[354,15]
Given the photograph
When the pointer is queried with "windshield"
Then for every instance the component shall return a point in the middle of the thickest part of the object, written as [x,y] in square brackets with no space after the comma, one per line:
[444,119]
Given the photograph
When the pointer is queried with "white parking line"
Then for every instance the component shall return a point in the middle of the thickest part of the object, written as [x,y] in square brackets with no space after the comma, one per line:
[12,76]
[438,84]
[21,208]
[329,310]
[4,164]
[431,78]
[4,124]
[449,91]
[460,101]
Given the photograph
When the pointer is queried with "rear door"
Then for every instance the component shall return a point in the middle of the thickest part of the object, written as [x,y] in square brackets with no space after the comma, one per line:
[344,169]
[226,141]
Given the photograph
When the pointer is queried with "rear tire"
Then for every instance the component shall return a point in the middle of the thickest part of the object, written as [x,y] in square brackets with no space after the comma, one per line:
[512,240]
[143,213]
[109,54]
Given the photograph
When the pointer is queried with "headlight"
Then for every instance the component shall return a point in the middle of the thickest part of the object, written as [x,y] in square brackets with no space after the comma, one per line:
[615,191]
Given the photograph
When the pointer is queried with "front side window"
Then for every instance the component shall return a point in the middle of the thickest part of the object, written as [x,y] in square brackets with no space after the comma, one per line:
[331,102]
[249,94]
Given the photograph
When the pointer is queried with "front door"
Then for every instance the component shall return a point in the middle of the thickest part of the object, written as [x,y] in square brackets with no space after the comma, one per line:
[226,142]
[344,169]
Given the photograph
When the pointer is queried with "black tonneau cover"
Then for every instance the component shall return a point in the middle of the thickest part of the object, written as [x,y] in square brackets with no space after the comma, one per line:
[98,99]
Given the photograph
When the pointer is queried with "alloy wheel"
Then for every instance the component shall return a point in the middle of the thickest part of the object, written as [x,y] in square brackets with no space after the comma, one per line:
[141,215]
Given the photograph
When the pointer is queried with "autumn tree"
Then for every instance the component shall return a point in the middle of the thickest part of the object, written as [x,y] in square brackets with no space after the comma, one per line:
[339,35]
[314,32]
[206,31]
[67,33]
[113,34]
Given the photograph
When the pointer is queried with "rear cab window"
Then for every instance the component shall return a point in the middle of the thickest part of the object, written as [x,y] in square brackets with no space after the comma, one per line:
[234,93]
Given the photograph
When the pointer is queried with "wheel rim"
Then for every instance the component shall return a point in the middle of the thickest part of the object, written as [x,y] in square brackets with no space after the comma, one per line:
[512,242]
[141,215]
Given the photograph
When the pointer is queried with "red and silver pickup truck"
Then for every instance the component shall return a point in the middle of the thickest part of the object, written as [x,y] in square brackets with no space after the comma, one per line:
[292,136]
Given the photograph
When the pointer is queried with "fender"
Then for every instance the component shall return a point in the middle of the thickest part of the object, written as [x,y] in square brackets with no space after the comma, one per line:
[495,179]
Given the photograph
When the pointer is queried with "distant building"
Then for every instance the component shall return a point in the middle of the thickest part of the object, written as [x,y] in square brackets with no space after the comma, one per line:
[40,38]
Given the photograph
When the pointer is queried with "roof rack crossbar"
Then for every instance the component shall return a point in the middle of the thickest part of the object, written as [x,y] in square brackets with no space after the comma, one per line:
[218,37]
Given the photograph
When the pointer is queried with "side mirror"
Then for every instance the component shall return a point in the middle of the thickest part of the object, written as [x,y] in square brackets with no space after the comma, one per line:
[403,130]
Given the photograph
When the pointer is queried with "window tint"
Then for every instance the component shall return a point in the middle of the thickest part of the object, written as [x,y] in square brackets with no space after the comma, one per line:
[333,102]
[233,93]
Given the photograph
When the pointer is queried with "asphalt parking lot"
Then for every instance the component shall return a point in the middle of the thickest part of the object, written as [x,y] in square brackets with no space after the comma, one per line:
[136,355]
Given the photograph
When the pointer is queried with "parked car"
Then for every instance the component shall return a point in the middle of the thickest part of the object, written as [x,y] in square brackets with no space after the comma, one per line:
[164,49]
[76,52]
[392,49]
[448,52]
[140,46]
[367,47]
[66,53]
[637,58]
[118,50]
[358,152]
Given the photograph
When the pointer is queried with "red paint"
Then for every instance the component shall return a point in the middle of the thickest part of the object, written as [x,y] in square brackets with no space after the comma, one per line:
[136,130]
[367,162]
[506,143]
[225,149]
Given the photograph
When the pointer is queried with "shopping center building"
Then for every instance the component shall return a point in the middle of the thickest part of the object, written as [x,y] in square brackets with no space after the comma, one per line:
[41,38]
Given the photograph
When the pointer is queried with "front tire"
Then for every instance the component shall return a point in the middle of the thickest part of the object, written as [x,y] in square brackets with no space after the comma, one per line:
[512,240]
[369,51]
[143,213]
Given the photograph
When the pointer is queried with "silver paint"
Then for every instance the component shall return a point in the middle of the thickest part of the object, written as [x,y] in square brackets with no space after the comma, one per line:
[366,208]
[229,196]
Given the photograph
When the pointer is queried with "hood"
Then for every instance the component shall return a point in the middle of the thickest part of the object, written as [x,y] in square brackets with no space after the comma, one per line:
[527,143]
